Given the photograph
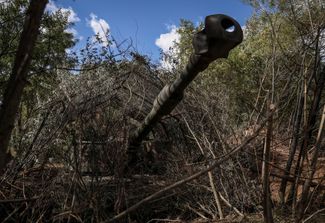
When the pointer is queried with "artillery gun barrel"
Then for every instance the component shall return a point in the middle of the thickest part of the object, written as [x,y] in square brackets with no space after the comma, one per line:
[220,34]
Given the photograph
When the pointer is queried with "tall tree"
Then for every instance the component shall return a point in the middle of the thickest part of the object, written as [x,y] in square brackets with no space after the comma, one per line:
[18,78]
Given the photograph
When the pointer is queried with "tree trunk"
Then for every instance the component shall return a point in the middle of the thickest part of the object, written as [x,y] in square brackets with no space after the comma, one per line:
[292,152]
[305,191]
[267,203]
[18,78]
[313,111]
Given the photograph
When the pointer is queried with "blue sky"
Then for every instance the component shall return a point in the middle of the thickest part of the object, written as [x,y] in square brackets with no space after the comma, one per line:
[151,24]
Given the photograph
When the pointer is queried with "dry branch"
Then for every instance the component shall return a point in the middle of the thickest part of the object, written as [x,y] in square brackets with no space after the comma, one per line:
[218,162]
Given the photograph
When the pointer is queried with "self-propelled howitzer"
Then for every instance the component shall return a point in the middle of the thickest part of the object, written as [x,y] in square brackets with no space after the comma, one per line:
[220,34]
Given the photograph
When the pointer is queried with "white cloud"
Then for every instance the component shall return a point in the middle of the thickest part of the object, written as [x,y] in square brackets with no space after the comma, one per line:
[167,40]
[51,7]
[73,31]
[72,16]
[100,27]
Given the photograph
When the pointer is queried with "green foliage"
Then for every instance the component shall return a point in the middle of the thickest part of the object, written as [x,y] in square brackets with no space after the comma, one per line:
[277,38]
[49,51]
[184,46]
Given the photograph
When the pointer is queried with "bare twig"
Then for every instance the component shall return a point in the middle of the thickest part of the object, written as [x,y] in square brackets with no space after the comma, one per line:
[313,215]
[213,187]
[231,206]
[18,200]
[218,162]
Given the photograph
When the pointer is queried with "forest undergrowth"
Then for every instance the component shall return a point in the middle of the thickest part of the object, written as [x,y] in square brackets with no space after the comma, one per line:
[245,144]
